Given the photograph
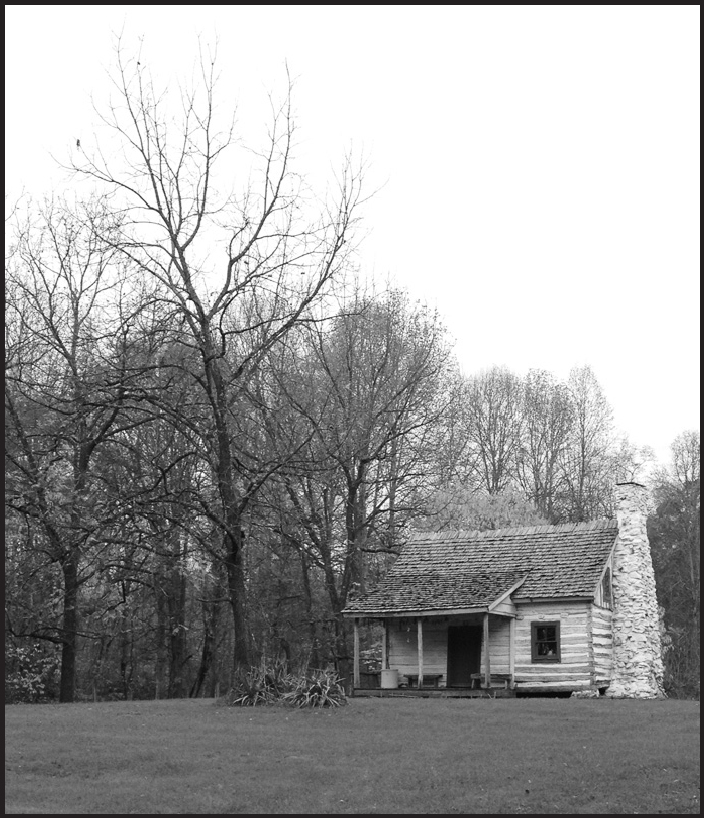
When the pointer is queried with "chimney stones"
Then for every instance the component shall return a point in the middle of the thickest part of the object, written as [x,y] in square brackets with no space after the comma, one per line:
[637,670]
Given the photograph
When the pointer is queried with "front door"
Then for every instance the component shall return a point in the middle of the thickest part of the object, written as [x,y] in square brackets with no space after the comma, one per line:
[464,652]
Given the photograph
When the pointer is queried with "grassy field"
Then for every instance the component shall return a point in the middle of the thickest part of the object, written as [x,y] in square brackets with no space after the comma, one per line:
[472,756]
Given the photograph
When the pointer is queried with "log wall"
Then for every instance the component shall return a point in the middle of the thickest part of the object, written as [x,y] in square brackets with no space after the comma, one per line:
[575,669]
[403,644]
[602,645]
[585,646]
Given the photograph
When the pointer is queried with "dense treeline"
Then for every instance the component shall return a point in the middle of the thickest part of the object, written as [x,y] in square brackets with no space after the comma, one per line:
[208,452]
[673,530]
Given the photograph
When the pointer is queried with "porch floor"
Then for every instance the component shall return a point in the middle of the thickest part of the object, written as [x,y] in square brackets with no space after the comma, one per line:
[436,692]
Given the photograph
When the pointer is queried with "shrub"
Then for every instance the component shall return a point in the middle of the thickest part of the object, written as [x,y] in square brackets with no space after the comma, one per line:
[31,674]
[265,684]
[322,689]
[273,684]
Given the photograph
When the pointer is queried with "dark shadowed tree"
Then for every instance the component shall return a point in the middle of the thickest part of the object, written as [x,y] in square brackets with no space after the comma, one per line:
[70,323]
[675,541]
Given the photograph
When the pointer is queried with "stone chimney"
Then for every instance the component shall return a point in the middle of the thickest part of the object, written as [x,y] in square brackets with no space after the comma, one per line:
[637,670]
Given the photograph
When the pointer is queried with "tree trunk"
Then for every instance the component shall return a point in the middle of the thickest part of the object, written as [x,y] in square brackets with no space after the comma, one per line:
[210,612]
[344,660]
[236,590]
[314,657]
[161,630]
[233,534]
[69,644]
[126,659]
[177,636]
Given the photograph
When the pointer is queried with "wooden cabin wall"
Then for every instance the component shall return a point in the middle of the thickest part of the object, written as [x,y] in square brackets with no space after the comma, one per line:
[504,607]
[403,644]
[585,646]
[604,590]
[499,628]
[576,667]
[602,645]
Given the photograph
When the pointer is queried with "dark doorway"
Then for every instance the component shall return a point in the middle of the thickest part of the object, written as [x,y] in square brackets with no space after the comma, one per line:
[464,652]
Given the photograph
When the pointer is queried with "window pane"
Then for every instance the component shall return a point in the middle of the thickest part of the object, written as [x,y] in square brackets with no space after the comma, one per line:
[546,642]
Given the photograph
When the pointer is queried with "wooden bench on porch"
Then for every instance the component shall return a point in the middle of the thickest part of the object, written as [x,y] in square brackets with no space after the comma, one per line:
[429,679]
[496,680]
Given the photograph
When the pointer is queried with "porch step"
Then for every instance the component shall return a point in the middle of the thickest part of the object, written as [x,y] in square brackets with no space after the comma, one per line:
[436,693]
[497,680]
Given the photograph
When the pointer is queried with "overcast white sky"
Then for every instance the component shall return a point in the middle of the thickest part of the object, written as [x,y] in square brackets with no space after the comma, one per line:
[540,164]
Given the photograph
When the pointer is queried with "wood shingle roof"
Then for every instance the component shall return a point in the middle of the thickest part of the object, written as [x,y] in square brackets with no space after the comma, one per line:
[468,569]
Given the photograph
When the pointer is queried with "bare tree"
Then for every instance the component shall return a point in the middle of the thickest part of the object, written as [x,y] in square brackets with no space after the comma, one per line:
[69,329]
[630,461]
[493,427]
[154,475]
[370,390]
[237,270]
[587,460]
[458,507]
[547,421]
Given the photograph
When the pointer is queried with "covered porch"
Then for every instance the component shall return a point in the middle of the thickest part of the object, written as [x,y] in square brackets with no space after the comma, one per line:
[441,633]
[453,653]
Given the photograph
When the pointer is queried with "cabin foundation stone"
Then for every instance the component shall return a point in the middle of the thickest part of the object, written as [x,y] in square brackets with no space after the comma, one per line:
[637,669]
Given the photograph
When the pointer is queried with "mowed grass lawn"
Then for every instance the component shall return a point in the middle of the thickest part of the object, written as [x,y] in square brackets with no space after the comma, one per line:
[474,756]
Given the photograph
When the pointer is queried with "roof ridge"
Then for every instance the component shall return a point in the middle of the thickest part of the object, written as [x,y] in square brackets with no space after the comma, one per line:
[433,572]
[517,531]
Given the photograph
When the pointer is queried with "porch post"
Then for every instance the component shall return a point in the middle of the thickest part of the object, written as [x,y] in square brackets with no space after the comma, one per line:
[385,646]
[487,667]
[356,653]
[419,621]
[511,651]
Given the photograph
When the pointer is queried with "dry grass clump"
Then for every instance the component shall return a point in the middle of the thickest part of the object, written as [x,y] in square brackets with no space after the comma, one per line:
[271,684]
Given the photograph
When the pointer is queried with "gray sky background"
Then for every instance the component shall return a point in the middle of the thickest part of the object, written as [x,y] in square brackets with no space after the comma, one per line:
[538,166]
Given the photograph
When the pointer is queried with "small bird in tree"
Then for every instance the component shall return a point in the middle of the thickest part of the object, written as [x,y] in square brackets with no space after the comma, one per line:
[78,144]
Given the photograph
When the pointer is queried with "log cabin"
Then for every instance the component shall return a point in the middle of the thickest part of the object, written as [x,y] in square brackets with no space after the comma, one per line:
[563,609]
